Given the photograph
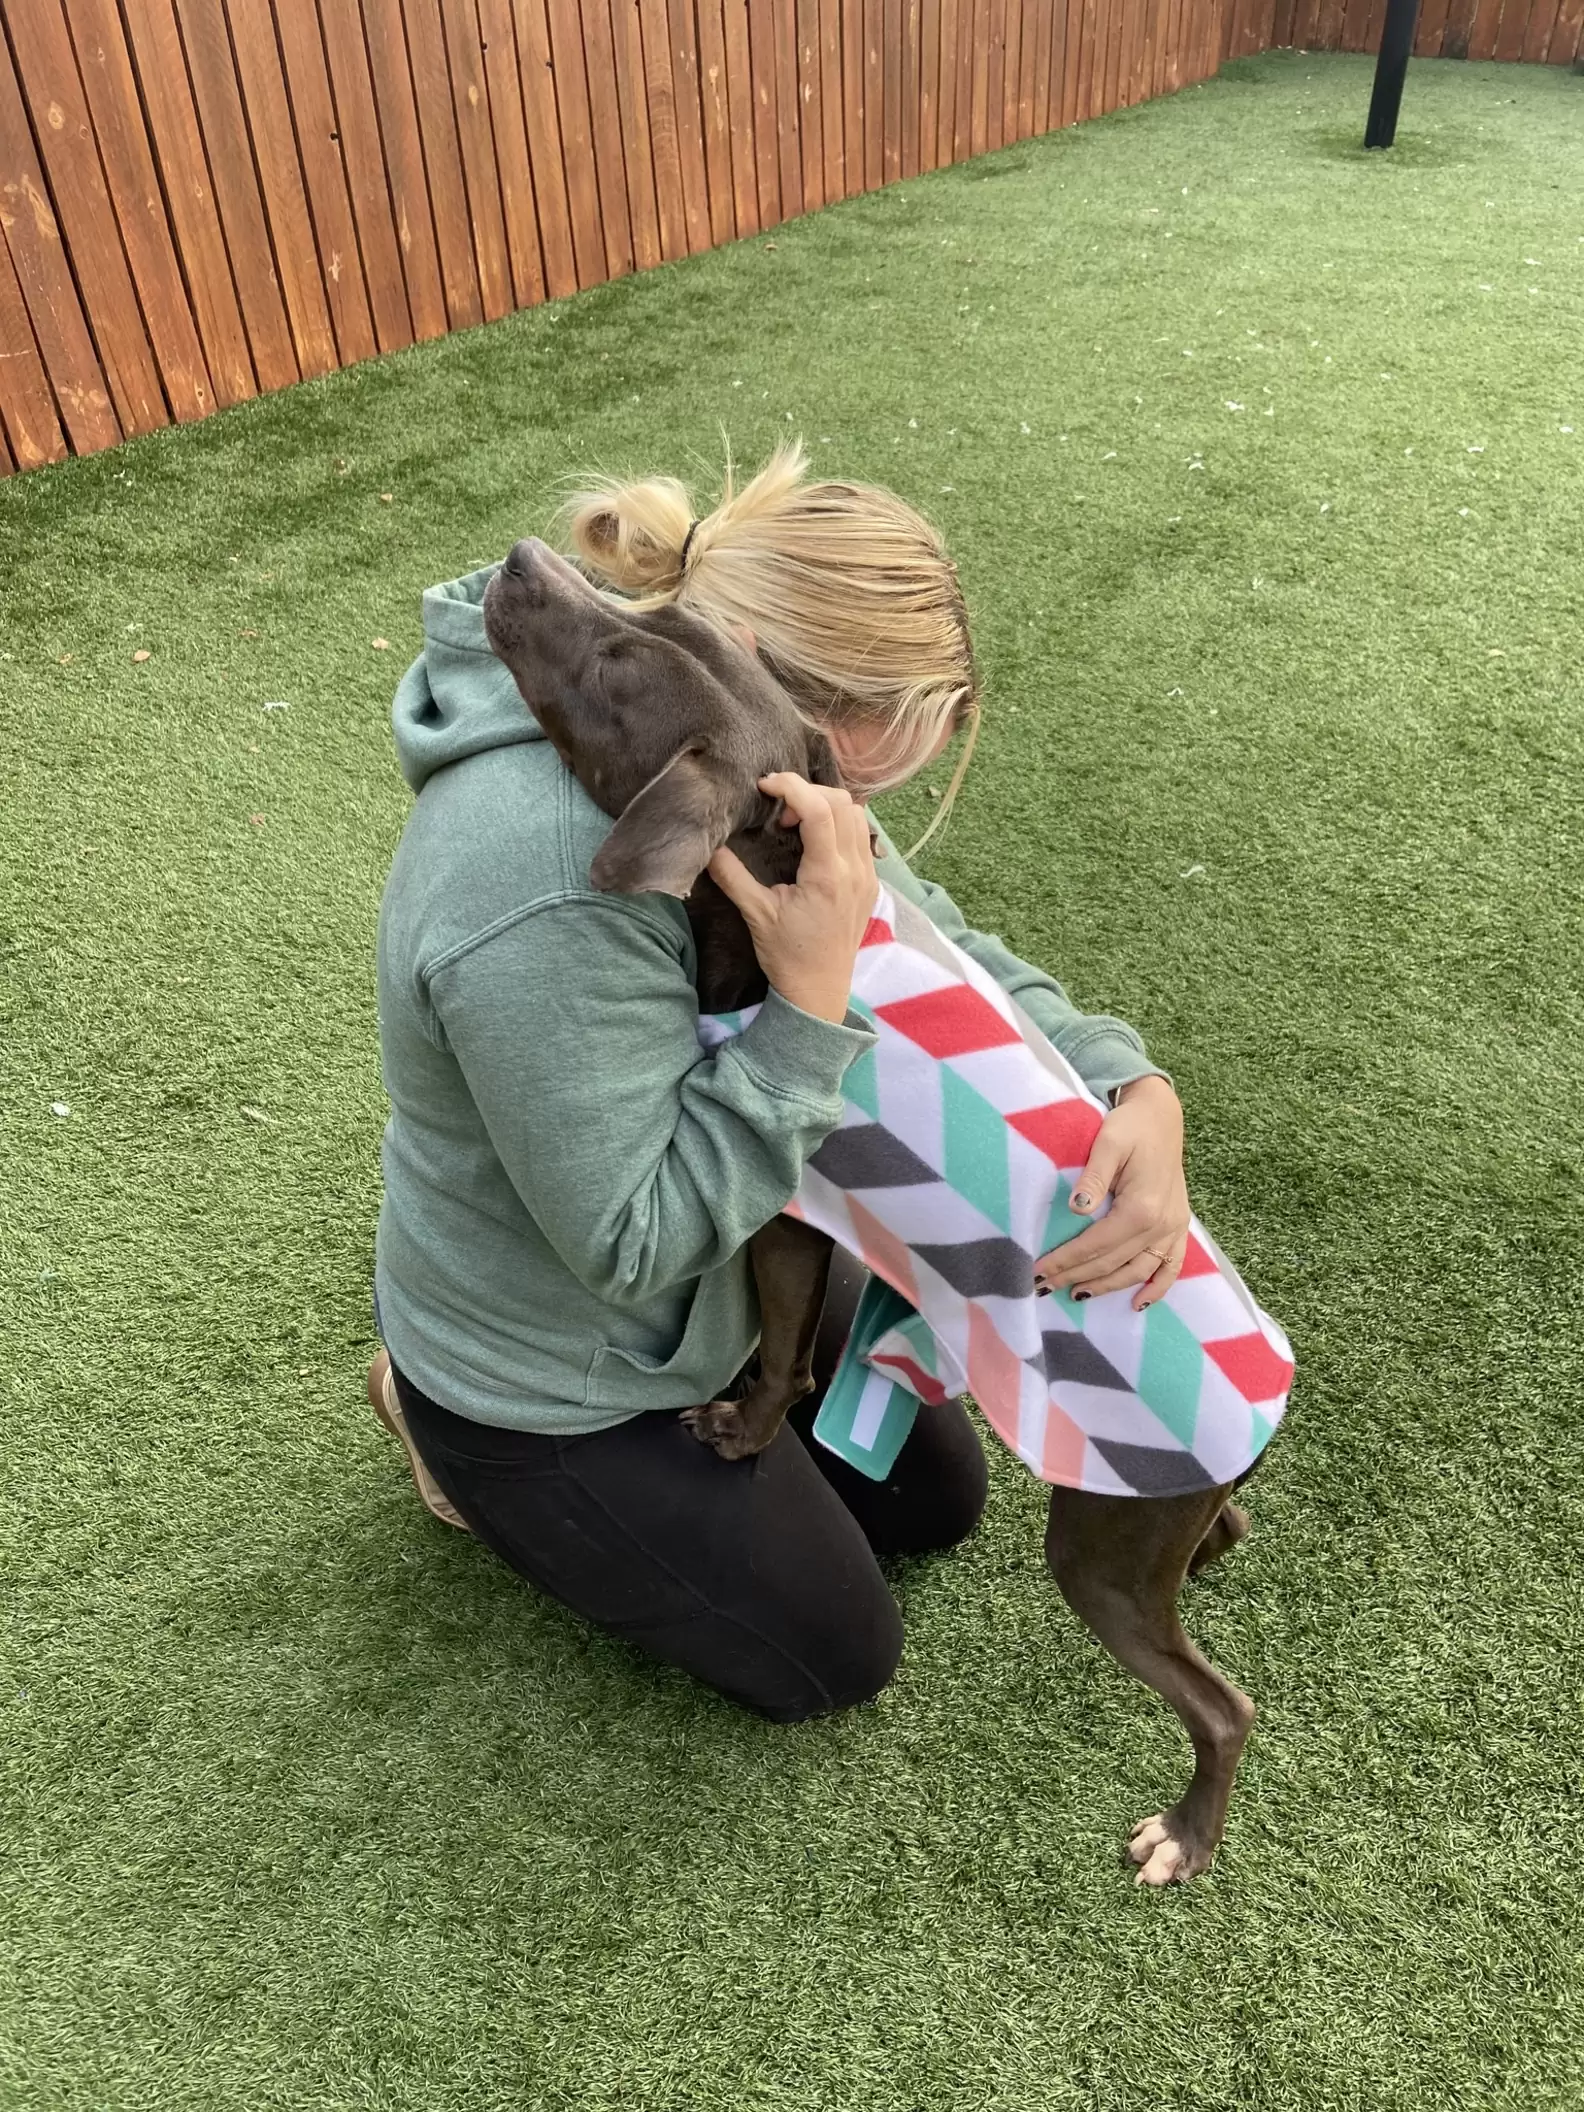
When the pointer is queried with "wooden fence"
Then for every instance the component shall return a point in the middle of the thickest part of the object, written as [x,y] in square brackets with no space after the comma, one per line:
[205,199]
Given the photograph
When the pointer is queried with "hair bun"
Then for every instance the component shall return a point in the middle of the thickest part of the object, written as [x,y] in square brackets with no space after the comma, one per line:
[632,536]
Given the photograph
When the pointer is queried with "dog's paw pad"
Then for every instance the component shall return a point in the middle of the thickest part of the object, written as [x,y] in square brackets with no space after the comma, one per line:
[719,1423]
[1164,1856]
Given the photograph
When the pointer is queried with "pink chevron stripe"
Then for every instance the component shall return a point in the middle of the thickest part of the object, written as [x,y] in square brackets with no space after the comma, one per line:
[882,1251]
[994,1374]
[1062,1454]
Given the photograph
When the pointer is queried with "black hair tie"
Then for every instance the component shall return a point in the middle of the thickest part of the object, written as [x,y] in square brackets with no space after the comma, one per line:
[687,544]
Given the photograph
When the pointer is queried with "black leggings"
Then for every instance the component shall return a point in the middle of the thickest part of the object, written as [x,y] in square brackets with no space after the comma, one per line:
[757,1576]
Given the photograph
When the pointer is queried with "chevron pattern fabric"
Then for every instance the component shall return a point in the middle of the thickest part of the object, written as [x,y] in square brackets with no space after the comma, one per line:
[962,1135]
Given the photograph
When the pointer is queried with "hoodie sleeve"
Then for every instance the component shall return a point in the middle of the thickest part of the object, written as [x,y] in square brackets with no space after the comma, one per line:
[644,1162]
[1106,1053]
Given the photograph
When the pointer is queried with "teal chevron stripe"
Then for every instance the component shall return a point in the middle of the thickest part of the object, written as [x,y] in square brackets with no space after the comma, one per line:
[975,1149]
[1170,1373]
[861,1084]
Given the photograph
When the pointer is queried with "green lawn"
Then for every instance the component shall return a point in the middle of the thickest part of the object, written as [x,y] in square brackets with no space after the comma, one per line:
[1264,461]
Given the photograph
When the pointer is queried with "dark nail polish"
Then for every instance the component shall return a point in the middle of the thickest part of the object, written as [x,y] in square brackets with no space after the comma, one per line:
[1042,1290]
[1081,1296]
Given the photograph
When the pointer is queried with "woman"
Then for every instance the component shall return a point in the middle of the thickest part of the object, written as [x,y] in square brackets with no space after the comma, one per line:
[570,1183]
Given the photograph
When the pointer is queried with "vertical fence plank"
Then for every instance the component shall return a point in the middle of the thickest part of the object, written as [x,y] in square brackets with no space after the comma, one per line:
[1011,100]
[1072,59]
[1510,36]
[43,274]
[767,145]
[1114,20]
[476,142]
[609,146]
[1039,109]
[979,47]
[1567,38]
[690,124]
[397,111]
[1484,28]
[156,54]
[664,146]
[891,89]
[442,157]
[716,99]
[831,102]
[307,83]
[1036,17]
[7,464]
[946,114]
[565,31]
[788,135]
[873,93]
[122,134]
[27,406]
[542,123]
[632,96]
[854,114]
[740,98]
[995,74]
[52,90]
[929,84]
[810,109]
[513,169]
[1169,19]
[911,87]
[267,118]
[372,192]
[962,129]
[1428,31]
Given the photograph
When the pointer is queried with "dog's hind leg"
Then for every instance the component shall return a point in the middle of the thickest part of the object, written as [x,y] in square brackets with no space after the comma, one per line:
[1120,1562]
[1229,1525]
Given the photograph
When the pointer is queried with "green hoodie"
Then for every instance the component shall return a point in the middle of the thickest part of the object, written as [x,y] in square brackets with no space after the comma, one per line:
[569,1180]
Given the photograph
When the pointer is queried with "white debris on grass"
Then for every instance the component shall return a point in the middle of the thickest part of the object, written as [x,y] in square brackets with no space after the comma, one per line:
[60,1107]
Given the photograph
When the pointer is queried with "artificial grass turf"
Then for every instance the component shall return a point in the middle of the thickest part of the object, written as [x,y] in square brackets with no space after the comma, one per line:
[1252,449]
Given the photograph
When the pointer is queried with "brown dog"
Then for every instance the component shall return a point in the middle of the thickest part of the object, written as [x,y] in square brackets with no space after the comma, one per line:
[668,726]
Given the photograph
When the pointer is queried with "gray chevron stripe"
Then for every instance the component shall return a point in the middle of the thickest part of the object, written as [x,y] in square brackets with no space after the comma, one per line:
[1151,1469]
[867,1155]
[982,1268]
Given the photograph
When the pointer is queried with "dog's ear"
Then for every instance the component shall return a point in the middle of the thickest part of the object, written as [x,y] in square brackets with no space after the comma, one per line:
[669,832]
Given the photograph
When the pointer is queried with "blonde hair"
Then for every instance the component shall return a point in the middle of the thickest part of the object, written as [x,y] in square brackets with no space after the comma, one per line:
[849,593]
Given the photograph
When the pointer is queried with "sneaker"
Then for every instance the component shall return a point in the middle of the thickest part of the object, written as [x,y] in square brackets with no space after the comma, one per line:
[387,1406]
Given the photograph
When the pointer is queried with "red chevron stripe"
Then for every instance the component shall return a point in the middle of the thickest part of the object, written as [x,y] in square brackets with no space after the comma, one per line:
[1064,1130]
[949,1022]
[1253,1367]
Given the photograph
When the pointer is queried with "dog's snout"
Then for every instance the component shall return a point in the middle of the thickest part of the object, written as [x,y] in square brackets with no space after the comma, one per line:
[519,562]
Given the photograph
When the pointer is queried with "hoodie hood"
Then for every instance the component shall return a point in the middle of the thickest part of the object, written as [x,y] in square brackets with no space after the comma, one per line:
[456,699]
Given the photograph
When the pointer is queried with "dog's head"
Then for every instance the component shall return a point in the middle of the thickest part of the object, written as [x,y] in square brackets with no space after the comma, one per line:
[666,723]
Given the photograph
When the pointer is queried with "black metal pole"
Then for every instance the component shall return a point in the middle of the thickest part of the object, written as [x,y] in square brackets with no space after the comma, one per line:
[1391,70]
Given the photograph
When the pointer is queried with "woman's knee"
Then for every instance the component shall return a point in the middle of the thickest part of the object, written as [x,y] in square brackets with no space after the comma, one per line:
[845,1672]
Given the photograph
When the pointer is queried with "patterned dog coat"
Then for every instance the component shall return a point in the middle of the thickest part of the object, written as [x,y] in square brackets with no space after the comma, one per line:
[962,1134]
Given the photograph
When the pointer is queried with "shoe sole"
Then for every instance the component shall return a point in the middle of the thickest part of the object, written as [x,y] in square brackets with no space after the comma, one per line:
[430,1495]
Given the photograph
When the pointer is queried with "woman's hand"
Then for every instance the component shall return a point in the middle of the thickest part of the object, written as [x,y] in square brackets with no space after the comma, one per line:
[1137,1160]
[807,935]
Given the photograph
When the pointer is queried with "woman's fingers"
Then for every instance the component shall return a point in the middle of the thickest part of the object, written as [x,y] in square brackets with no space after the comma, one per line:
[1093,1185]
[735,881]
[1163,1279]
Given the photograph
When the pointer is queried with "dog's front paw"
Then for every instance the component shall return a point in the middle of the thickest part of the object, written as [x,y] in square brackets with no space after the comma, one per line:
[1167,1851]
[723,1425]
